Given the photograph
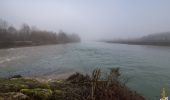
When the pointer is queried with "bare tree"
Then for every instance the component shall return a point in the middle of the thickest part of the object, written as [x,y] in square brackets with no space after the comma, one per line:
[3,24]
[25,28]
[25,32]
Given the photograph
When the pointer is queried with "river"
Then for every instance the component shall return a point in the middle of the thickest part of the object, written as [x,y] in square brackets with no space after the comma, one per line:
[146,67]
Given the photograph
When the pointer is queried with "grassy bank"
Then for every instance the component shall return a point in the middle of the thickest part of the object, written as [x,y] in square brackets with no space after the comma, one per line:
[75,87]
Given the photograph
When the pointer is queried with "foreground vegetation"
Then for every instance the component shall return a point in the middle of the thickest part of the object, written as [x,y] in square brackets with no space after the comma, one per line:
[75,87]
[31,36]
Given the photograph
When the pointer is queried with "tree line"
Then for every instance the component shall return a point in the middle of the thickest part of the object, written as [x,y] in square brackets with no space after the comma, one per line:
[26,35]
[159,39]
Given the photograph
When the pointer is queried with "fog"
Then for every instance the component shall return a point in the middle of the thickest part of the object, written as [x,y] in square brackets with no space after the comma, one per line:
[91,19]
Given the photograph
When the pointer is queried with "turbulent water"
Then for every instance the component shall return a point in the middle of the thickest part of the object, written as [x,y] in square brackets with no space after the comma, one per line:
[146,67]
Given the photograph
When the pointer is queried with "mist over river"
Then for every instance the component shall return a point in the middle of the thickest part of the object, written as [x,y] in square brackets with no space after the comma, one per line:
[147,66]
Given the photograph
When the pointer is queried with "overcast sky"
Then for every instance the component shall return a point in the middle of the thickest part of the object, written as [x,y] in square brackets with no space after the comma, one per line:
[91,19]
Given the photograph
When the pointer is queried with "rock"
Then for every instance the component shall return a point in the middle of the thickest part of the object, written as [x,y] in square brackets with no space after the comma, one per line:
[16,76]
[20,96]
[77,78]
[13,96]
[38,94]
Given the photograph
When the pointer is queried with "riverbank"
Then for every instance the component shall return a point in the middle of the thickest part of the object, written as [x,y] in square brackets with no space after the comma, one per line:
[140,43]
[76,87]
[18,44]
[157,39]
[26,44]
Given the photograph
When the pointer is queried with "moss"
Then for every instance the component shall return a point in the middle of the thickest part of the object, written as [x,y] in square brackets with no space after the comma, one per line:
[1,98]
[57,84]
[58,92]
[58,95]
[9,85]
[16,84]
[42,94]
[13,96]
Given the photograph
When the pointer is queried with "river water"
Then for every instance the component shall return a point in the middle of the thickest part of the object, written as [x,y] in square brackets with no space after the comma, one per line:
[146,67]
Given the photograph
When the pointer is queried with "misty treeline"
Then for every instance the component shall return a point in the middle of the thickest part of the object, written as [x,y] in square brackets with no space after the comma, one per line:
[26,35]
[161,39]
[157,37]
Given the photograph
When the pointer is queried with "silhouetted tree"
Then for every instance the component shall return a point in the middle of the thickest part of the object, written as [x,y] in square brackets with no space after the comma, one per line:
[12,30]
